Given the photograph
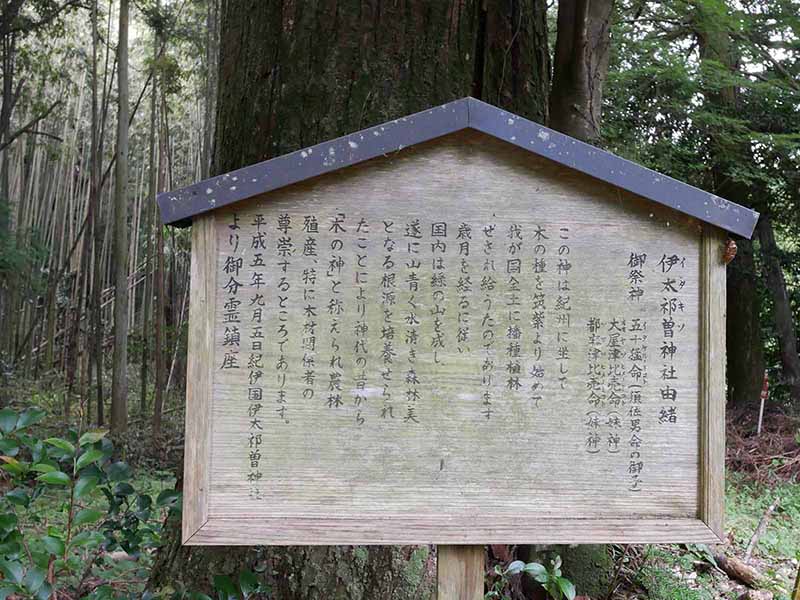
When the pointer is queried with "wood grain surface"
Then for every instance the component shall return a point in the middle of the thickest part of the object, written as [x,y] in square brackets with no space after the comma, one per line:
[460,572]
[348,473]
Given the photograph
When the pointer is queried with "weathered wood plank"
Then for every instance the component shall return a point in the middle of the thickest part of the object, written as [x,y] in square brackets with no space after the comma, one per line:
[460,572]
[712,380]
[345,473]
[197,454]
[323,531]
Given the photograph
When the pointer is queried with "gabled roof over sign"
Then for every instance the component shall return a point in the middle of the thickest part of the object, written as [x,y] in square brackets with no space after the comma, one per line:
[178,207]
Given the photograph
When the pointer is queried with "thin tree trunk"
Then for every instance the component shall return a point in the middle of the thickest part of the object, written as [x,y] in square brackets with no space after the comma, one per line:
[745,354]
[149,208]
[782,309]
[160,355]
[119,394]
[7,302]
[97,232]
[158,277]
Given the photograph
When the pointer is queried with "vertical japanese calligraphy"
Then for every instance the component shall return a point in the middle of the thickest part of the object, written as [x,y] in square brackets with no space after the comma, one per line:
[359,317]
[367,344]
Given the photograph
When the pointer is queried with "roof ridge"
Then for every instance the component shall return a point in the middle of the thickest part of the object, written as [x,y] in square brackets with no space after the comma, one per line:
[179,206]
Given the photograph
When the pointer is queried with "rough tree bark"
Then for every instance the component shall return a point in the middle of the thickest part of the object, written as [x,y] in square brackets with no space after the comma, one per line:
[515,65]
[580,66]
[119,393]
[150,209]
[296,73]
[212,71]
[97,232]
[293,73]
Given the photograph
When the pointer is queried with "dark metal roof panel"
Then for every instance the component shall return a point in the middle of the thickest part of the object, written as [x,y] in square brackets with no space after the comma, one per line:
[609,167]
[179,206]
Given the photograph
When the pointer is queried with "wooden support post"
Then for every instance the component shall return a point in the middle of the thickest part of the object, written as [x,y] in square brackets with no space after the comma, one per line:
[459,572]
[796,594]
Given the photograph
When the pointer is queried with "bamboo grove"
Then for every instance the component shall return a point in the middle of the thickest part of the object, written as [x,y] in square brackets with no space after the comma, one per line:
[59,176]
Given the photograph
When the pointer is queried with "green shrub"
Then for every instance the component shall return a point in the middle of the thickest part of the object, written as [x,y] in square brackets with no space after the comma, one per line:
[41,552]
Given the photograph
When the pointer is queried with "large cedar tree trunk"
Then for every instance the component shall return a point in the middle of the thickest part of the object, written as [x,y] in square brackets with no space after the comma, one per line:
[297,73]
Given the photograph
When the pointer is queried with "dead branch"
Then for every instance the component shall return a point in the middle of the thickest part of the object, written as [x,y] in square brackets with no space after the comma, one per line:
[28,127]
[45,134]
[760,529]
[737,569]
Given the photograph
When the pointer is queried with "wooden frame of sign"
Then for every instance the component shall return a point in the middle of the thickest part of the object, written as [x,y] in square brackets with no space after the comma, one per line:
[460,178]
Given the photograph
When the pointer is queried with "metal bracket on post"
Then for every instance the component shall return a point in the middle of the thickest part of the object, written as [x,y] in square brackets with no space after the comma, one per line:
[460,572]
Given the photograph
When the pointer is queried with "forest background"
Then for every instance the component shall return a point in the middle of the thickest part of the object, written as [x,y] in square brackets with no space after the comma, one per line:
[107,102]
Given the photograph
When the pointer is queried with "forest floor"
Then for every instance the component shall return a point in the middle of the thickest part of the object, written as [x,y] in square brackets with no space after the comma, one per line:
[691,572]
[763,472]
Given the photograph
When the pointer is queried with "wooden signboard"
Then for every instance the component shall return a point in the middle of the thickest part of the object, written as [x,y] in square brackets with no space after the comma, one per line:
[465,341]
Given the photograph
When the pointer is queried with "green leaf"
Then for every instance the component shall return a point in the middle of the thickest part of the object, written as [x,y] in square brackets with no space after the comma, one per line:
[7,590]
[86,516]
[8,522]
[515,567]
[88,457]
[37,450]
[536,570]
[45,592]
[8,420]
[87,538]
[248,583]
[18,497]
[34,579]
[53,545]
[12,465]
[43,468]
[168,498]
[9,447]
[226,588]
[11,570]
[104,592]
[90,437]
[30,416]
[61,444]
[144,502]
[123,489]
[118,471]
[566,587]
[84,485]
[54,478]
[10,549]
